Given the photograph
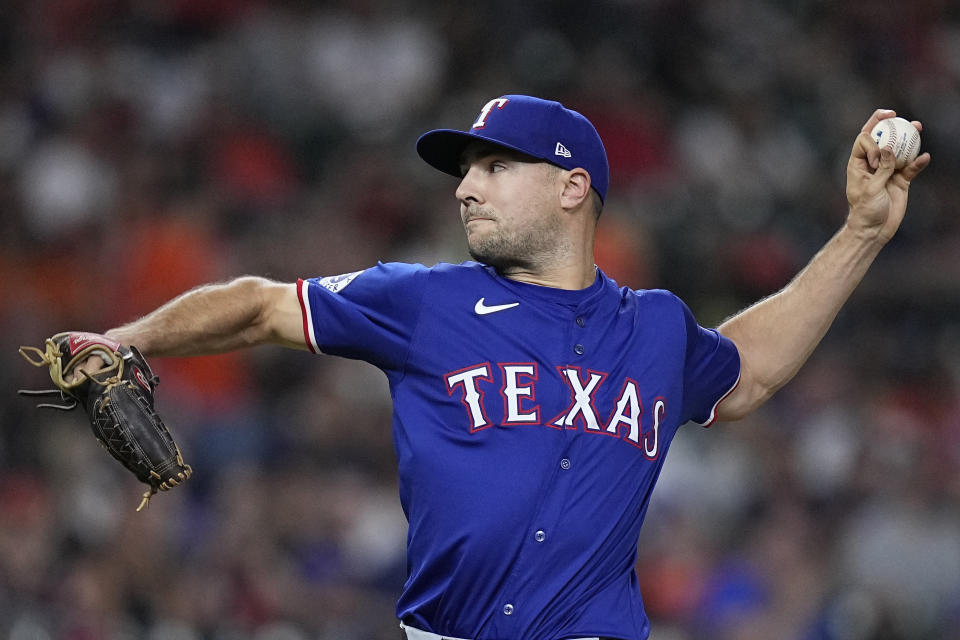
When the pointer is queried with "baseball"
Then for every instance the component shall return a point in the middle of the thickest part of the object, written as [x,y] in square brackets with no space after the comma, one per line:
[901,137]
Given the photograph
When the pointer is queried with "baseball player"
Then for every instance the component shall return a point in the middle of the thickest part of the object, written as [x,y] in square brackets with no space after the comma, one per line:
[535,399]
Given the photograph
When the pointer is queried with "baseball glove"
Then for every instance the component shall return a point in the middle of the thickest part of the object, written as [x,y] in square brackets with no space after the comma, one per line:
[118,400]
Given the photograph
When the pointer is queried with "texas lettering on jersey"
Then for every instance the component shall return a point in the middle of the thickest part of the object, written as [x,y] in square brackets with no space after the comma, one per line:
[516,402]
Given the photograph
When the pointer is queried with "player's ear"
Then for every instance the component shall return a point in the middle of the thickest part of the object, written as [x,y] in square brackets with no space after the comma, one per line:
[576,188]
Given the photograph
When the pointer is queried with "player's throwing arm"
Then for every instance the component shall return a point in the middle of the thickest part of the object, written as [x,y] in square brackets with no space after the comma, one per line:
[777,335]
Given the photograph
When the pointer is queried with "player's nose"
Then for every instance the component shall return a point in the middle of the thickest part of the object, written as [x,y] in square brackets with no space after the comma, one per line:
[469,189]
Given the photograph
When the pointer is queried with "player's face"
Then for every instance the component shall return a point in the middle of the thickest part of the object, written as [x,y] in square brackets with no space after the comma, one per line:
[509,207]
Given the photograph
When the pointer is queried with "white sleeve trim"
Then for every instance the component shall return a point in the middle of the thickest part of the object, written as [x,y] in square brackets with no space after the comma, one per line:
[309,335]
[713,410]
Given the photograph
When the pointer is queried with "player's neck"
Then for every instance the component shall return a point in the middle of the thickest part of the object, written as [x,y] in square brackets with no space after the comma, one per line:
[568,263]
[563,276]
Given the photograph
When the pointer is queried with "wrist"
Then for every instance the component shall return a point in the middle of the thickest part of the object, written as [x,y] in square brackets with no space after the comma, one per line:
[869,236]
[121,336]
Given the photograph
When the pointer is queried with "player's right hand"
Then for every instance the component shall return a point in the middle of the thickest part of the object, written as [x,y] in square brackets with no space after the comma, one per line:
[876,190]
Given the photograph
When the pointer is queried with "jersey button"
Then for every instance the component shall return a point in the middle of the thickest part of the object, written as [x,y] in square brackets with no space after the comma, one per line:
[580,321]
[578,349]
[540,536]
[507,609]
[565,463]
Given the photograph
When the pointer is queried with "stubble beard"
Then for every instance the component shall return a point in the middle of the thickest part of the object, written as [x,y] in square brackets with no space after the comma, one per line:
[512,248]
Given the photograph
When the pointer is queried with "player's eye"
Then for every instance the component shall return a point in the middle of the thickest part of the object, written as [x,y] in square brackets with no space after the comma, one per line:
[497,165]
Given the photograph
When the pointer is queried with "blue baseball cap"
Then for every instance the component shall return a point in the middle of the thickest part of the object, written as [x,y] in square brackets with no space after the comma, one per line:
[543,129]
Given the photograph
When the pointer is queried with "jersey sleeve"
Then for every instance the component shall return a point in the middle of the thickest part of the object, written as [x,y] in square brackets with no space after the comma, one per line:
[711,370]
[367,315]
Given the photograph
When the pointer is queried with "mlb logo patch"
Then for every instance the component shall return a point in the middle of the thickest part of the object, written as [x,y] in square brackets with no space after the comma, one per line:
[338,283]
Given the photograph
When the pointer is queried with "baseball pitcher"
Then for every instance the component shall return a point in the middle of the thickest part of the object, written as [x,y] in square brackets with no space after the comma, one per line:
[535,399]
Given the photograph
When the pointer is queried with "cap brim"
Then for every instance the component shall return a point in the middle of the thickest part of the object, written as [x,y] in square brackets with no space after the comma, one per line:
[443,149]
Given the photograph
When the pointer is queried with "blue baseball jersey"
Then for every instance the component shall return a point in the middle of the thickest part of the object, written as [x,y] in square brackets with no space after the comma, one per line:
[530,426]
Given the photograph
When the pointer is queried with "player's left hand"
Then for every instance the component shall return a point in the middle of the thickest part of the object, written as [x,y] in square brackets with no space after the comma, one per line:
[116,390]
[876,190]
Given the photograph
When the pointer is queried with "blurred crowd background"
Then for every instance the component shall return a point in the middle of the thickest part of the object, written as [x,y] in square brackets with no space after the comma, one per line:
[150,146]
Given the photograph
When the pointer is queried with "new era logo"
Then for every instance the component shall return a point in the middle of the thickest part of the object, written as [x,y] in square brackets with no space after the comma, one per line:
[562,151]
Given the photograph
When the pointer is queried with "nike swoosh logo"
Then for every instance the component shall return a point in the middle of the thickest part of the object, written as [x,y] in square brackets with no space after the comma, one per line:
[482,309]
